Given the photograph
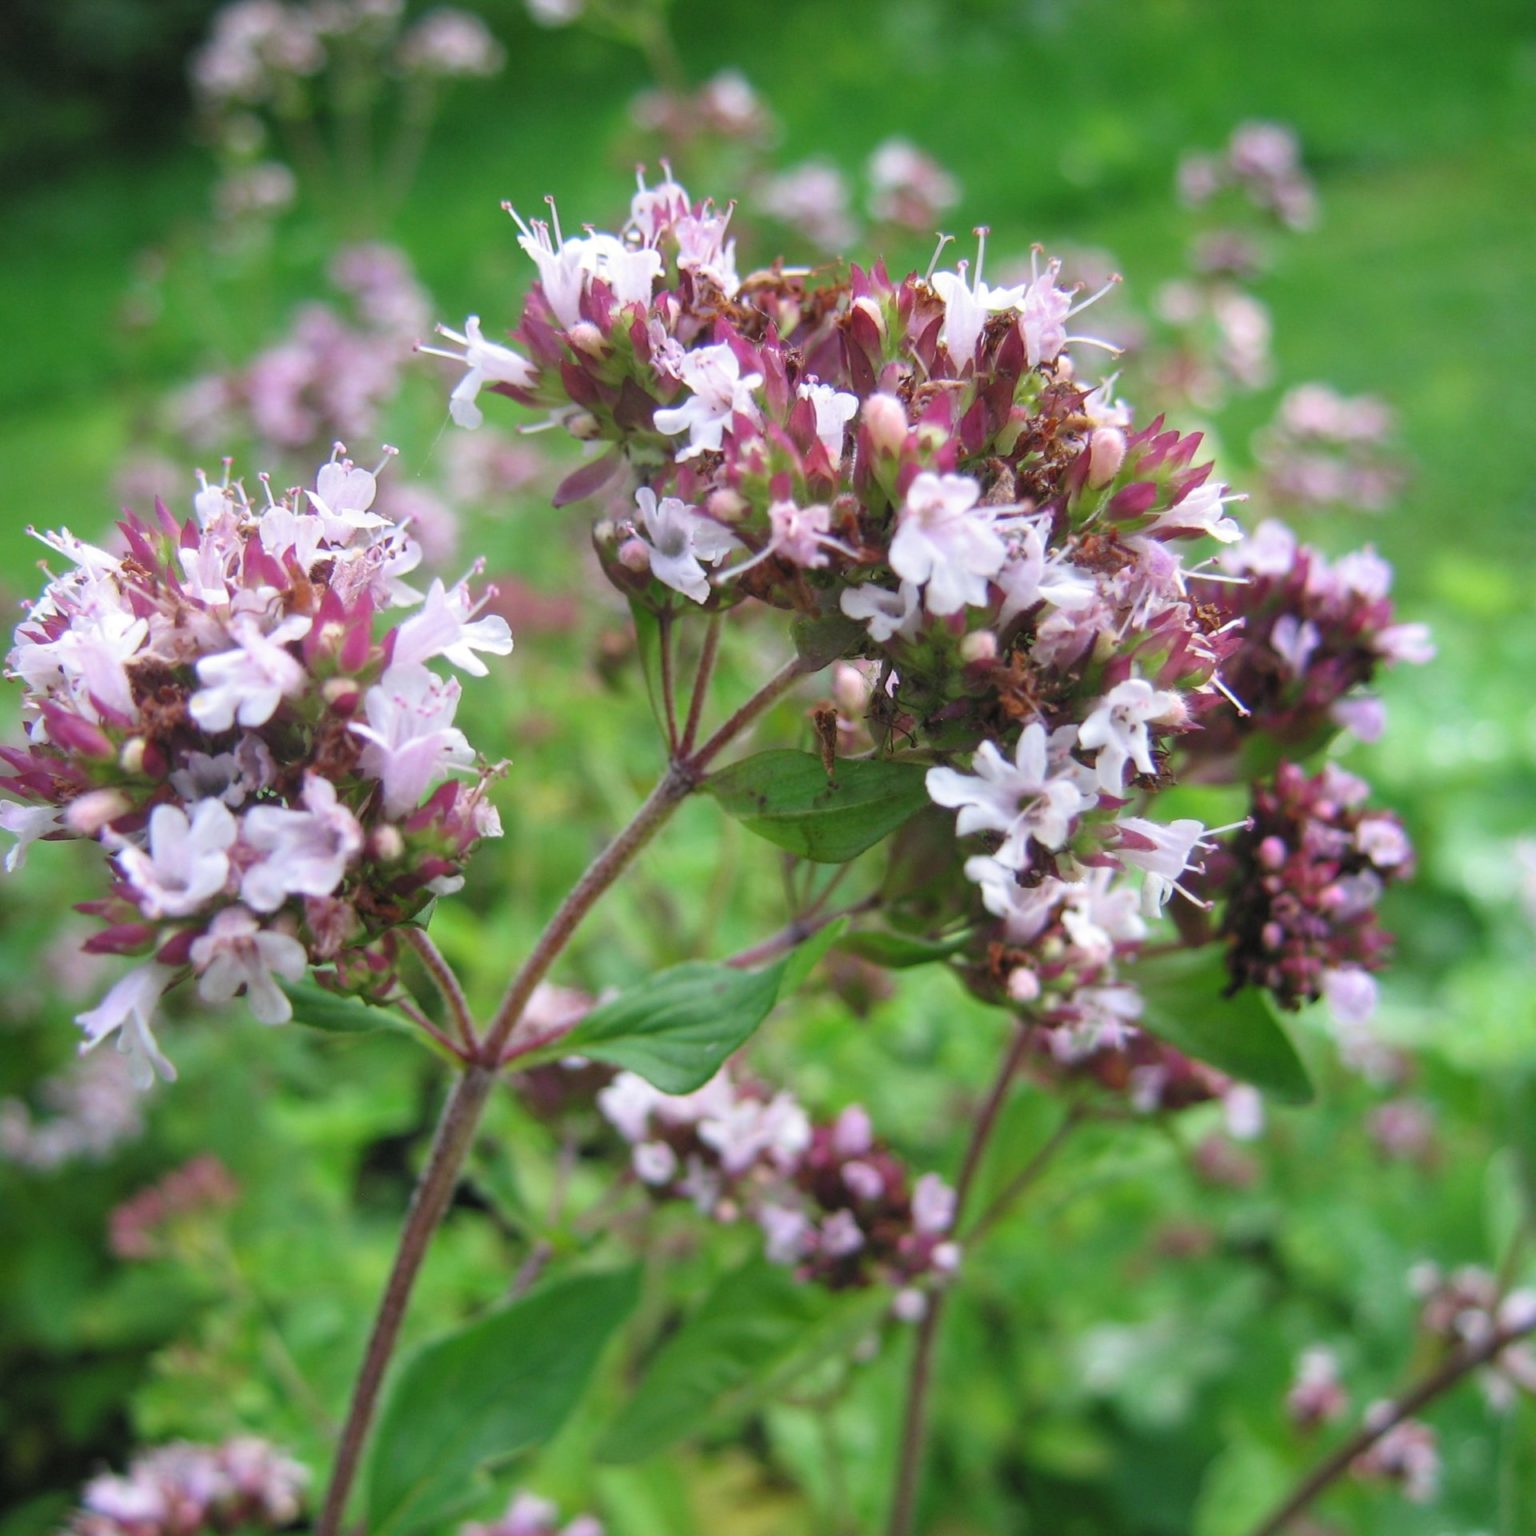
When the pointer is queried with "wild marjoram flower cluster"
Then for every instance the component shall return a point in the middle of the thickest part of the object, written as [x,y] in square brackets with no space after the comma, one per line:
[268,775]
[917,471]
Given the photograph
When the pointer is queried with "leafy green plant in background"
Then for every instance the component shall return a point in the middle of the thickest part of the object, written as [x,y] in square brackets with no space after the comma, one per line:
[904,926]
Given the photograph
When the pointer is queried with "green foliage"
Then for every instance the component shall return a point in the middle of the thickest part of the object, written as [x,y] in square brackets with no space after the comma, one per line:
[1187,1005]
[483,1394]
[790,799]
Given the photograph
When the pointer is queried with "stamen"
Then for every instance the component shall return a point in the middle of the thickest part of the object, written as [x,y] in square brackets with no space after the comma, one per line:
[1229,696]
[1114,281]
[554,215]
[981,232]
[938,251]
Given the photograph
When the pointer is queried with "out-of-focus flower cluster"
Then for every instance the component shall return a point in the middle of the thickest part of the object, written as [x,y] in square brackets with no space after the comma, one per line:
[182,1489]
[831,1199]
[260,51]
[329,377]
[1262,162]
[529,1515]
[1468,1307]
[319,80]
[917,469]
[143,1225]
[91,1109]
[1324,449]
[268,777]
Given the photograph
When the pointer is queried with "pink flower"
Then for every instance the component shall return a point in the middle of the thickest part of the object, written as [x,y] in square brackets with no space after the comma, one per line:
[1118,728]
[187,861]
[248,683]
[720,393]
[128,1010]
[237,952]
[943,540]
[304,853]
[444,627]
[412,742]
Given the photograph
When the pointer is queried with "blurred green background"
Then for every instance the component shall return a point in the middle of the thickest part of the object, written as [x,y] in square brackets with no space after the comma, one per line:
[1116,1364]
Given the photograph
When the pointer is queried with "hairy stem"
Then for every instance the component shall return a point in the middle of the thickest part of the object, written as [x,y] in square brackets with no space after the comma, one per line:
[447,983]
[914,1425]
[1461,1362]
[668,682]
[466,1103]
[434,1189]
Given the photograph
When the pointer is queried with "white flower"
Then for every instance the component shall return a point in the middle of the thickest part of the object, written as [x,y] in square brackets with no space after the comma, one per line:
[412,741]
[626,1104]
[129,1009]
[1351,994]
[1025,799]
[887,613]
[342,495]
[248,683]
[88,659]
[1201,511]
[237,952]
[654,1162]
[943,539]
[187,861]
[1406,642]
[485,360]
[834,409]
[26,823]
[1383,842]
[1118,728]
[933,1205]
[776,1129]
[786,1232]
[1098,915]
[1270,550]
[1106,1016]
[679,539]
[703,248]
[305,853]
[1294,640]
[445,627]
[1028,578]
[720,394]
[1026,910]
[1162,852]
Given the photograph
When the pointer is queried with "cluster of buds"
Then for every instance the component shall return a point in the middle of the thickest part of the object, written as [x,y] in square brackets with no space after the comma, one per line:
[724,107]
[1312,635]
[140,1227]
[1302,882]
[831,1199]
[528,1515]
[183,1489]
[1324,449]
[268,775]
[92,1108]
[916,467]
[1262,162]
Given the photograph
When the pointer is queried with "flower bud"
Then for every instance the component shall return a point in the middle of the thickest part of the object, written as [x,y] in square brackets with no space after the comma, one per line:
[634,556]
[1106,453]
[131,758]
[583,426]
[727,506]
[885,420]
[586,337]
[90,812]
[1023,984]
[387,844]
[979,645]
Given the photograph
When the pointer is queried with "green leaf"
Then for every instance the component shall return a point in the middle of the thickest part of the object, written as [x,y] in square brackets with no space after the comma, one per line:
[676,1028]
[821,640]
[1239,1034]
[484,1393]
[317,1008]
[802,960]
[648,647]
[753,1333]
[787,798]
[898,951]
